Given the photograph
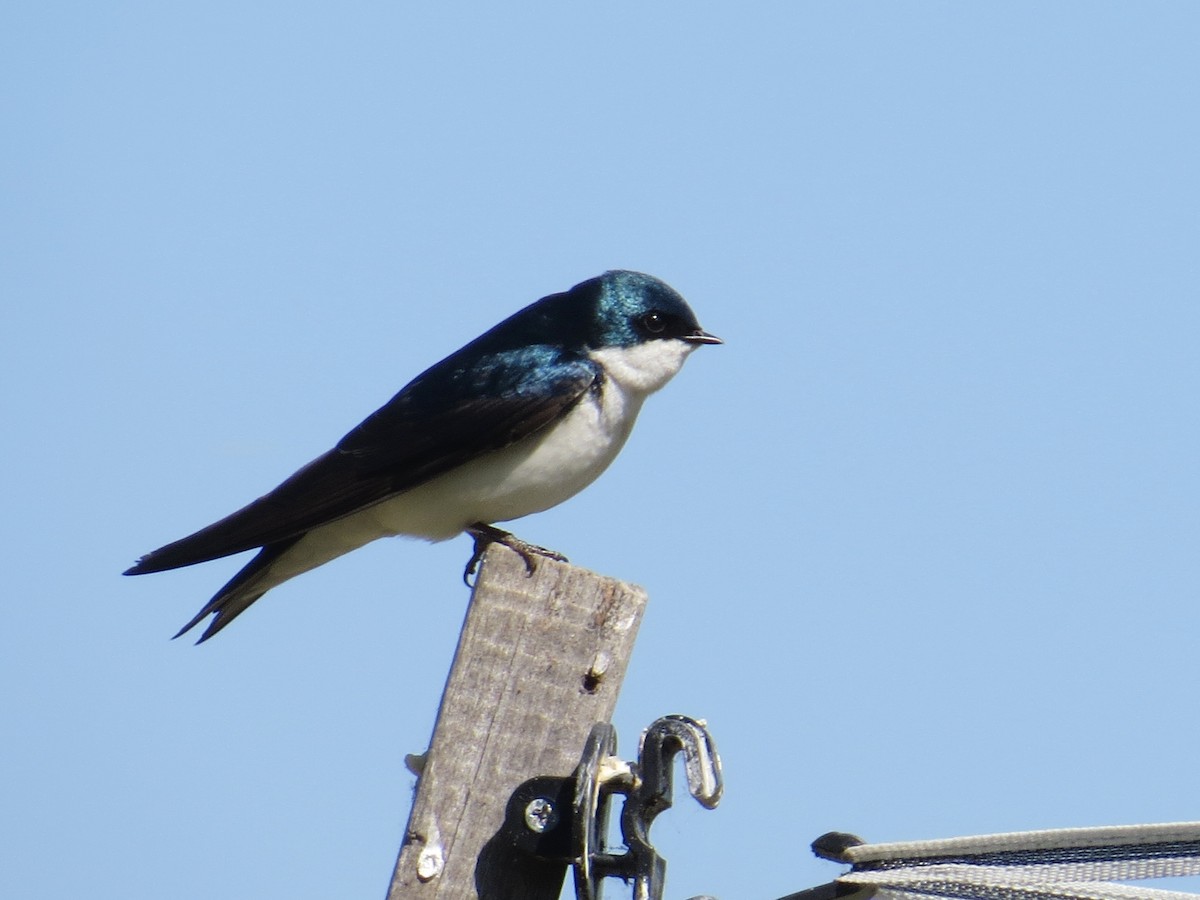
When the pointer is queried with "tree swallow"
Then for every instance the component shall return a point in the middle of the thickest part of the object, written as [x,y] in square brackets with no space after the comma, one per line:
[517,421]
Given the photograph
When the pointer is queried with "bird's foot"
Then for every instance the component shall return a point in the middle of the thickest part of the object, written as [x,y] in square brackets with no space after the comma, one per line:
[490,534]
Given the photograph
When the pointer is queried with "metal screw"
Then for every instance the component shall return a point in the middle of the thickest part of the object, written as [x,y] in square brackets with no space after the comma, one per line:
[540,815]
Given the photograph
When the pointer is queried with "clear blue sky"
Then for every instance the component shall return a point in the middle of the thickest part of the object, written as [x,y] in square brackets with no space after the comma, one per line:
[921,540]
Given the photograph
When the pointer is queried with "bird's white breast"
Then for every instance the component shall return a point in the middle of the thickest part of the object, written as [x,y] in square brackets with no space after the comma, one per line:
[545,469]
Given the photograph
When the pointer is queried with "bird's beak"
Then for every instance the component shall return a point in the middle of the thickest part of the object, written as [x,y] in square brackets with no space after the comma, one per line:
[702,337]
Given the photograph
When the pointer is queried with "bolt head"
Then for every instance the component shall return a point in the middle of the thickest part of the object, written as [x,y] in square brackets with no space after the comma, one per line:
[540,815]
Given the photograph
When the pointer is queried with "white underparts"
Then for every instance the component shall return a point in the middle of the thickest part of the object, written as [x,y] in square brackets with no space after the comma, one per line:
[527,477]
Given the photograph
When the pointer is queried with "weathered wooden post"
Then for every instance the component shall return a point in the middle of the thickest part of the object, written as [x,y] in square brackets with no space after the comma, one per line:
[540,661]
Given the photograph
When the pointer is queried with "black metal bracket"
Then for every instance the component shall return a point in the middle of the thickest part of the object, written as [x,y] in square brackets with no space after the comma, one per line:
[566,819]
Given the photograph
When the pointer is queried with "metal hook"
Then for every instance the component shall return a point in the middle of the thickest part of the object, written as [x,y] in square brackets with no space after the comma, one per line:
[566,819]
[647,786]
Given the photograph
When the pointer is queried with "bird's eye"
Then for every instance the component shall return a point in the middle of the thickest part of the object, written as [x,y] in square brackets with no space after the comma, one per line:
[654,322]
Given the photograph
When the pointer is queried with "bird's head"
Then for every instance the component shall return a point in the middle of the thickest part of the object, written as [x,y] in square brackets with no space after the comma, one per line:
[630,308]
[641,329]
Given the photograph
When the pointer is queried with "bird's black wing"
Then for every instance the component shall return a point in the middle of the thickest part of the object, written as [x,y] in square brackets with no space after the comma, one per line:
[438,422]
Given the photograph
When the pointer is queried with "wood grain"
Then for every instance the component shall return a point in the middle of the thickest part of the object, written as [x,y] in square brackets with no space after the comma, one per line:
[540,660]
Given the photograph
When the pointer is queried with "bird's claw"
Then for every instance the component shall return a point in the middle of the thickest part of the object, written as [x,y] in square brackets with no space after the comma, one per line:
[490,534]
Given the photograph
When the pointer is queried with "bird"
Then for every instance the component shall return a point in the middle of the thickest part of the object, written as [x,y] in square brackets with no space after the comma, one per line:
[515,422]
